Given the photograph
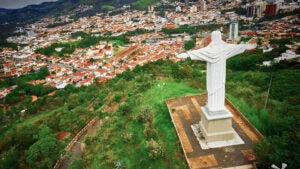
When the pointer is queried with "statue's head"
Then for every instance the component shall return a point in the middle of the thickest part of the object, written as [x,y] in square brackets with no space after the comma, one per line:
[216,36]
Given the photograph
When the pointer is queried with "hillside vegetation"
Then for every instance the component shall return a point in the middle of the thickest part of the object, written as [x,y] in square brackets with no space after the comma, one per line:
[137,129]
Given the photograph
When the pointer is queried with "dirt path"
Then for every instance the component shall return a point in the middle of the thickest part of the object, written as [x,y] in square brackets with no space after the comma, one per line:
[90,106]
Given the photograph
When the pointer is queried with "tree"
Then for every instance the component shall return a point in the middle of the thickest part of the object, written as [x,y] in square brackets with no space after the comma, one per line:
[12,97]
[2,115]
[8,161]
[23,136]
[189,44]
[127,75]
[92,60]
[278,149]
[124,108]
[44,152]
[43,72]
[298,51]
[73,101]
[175,70]
[117,97]
[186,71]
[120,85]
[161,13]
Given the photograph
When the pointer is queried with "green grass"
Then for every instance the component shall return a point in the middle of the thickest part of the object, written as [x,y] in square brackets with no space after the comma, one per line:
[117,42]
[107,7]
[252,113]
[171,89]
[134,154]
[40,116]
[29,121]
[155,97]
[118,50]
[142,4]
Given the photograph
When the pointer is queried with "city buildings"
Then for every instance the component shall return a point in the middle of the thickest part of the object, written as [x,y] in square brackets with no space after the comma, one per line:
[105,60]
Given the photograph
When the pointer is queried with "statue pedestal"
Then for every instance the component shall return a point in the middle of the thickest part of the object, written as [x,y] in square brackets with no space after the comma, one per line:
[216,126]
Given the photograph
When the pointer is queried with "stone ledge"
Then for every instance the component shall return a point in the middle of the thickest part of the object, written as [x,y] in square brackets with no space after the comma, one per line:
[237,140]
[216,114]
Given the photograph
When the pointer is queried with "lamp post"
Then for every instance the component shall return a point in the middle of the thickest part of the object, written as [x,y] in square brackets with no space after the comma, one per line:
[161,88]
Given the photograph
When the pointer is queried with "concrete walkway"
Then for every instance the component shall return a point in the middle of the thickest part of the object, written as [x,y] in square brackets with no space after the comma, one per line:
[78,148]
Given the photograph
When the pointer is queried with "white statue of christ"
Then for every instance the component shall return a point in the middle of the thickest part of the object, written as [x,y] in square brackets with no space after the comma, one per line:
[216,54]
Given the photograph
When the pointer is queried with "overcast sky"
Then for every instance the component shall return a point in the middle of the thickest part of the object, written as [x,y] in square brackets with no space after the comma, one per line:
[14,4]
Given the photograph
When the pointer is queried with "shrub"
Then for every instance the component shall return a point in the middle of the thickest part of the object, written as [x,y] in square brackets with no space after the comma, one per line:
[117,97]
[127,137]
[76,164]
[146,115]
[155,150]
[124,108]
[149,131]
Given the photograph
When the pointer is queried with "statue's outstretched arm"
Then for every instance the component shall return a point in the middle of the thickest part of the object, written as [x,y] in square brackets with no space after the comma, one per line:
[251,46]
[183,55]
[195,55]
[234,49]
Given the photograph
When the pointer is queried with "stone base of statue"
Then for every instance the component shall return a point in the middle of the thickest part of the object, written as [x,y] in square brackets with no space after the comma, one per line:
[215,130]
[217,125]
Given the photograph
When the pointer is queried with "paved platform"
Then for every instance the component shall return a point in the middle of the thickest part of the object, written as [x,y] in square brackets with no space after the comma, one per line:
[185,111]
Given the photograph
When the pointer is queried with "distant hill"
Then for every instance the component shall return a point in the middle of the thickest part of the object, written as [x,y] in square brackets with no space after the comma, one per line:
[10,18]
[60,7]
